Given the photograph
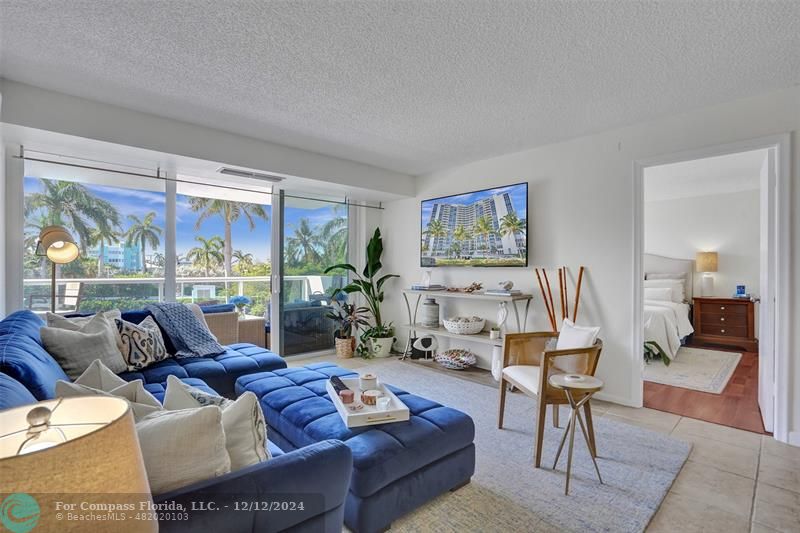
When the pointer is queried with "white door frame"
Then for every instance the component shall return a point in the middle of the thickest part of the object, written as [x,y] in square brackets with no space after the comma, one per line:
[782,145]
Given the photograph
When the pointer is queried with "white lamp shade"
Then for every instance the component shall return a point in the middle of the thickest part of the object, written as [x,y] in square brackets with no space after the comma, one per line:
[99,462]
[57,244]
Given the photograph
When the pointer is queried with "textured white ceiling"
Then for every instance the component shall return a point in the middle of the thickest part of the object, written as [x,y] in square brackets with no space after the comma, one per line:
[703,177]
[411,86]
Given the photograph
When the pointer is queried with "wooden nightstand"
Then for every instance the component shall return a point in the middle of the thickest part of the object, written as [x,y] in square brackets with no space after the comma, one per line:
[725,322]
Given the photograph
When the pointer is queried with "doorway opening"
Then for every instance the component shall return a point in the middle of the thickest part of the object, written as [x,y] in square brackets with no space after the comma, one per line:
[709,265]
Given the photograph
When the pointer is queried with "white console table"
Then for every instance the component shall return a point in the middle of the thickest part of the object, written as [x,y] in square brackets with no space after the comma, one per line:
[516,301]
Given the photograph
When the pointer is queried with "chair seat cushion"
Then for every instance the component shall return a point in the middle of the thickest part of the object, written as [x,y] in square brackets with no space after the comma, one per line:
[525,376]
[218,371]
[297,407]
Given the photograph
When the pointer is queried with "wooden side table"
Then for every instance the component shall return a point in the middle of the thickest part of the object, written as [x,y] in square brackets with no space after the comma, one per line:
[725,322]
[252,330]
[576,384]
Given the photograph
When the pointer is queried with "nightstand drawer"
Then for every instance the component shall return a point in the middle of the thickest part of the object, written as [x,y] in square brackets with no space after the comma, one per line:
[723,330]
[723,308]
[728,319]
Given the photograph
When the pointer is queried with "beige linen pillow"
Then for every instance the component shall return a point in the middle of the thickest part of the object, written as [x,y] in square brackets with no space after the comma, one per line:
[183,447]
[75,349]
[242,419]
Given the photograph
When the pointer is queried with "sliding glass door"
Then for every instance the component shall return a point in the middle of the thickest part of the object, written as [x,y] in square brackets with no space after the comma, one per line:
[315,236]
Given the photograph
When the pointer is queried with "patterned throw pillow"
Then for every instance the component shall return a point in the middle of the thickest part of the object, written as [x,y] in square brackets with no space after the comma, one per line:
[140,344]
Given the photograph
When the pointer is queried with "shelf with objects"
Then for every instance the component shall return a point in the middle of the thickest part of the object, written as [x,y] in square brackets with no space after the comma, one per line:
[519,303]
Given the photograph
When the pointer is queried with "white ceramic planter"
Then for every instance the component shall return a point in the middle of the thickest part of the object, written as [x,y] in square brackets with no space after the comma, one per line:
[382,347]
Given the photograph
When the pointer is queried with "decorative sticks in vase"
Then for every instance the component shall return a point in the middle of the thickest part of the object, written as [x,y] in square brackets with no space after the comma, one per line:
[547,295]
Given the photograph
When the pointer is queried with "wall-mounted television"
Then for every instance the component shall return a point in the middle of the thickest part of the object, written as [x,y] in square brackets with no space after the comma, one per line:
[487,228]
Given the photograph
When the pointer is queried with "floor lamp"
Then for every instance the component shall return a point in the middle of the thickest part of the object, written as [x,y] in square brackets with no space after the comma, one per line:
[56,243]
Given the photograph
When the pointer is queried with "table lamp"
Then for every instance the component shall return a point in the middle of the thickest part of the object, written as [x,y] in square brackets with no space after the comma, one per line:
[68,451]
[56,243]
[706,262]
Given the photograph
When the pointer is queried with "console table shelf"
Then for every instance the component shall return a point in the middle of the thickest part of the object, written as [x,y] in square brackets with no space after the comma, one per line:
[502,301]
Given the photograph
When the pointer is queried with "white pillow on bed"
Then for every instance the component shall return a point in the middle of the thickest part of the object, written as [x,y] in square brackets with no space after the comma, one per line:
[678,289]
[656,293]
[665,275]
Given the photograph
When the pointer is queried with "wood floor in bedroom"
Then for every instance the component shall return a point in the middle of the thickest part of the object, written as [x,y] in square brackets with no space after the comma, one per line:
[736,407]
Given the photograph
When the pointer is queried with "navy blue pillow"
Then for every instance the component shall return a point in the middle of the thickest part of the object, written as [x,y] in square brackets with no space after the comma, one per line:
[13,393]
[217,308]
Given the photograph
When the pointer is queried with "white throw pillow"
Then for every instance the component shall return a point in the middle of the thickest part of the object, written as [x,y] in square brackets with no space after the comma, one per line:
[243,420]
[75,349]
[183,447]
[572,336]
[99,380]
[677,286]
[77,322]
[654,293]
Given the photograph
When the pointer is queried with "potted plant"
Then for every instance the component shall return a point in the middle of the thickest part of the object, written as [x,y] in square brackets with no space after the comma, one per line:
[349,318]
[376,340]
[241,303]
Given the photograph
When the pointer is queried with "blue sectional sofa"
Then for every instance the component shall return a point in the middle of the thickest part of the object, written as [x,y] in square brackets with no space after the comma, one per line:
[396,467]
[318,474]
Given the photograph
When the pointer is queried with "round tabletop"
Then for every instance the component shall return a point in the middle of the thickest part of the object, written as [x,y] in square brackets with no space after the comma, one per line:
[580,382]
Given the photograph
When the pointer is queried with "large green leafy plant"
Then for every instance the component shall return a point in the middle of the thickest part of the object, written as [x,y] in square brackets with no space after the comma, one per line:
[653,351]
[369,284]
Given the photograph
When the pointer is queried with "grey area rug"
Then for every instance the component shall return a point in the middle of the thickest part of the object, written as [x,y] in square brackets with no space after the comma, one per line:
[508,494]
[696,369]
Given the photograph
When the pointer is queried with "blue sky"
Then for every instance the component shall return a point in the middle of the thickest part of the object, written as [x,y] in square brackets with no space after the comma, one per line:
[140,203]
[517,193]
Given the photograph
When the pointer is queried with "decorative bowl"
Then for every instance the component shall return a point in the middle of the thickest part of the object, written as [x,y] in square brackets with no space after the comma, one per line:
[456,359]
[464,326]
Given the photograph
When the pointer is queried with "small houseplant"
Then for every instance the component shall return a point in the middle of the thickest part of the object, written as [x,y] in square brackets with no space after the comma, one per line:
[653,351]
[241,302]
[376,340]
[349,317]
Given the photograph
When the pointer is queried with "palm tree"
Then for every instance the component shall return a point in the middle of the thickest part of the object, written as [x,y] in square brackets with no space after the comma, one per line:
[71,204]
[230,212]
[436,230]
[244,261]
[483,228]
[302,246]
[207,255]
[99,237]
[142,232]
[159,260]
[512,225]
[461,234]
[334,236]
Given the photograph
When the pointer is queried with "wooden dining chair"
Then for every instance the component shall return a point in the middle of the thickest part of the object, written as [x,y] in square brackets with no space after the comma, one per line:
[527,365]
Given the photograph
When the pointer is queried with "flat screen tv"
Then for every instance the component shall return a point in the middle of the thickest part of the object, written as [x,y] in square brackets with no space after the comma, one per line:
[487,228]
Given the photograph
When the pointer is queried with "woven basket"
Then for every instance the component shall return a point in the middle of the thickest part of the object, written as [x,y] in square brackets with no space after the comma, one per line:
[345,347]
[464,328]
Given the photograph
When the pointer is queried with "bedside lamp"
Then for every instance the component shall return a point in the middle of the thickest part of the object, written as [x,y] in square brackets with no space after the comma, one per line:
[68,451]
[56,243]
[706,262]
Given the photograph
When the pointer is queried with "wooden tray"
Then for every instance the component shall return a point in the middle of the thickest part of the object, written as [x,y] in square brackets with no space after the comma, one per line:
[368,415]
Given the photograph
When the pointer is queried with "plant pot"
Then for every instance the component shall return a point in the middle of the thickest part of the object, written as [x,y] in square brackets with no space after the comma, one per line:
[382,346]
[345,347]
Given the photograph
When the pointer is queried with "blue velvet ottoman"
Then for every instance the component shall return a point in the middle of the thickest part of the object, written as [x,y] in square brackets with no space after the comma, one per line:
[396,467]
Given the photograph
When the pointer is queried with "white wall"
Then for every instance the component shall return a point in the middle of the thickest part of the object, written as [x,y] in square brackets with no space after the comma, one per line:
[581,211]
[2,219]
[38,108]
[724,223]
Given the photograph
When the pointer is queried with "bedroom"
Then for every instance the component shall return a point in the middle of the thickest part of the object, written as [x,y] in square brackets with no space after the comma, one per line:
[702,264]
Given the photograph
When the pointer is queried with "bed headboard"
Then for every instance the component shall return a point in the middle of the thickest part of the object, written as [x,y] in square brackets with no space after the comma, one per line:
[659,263]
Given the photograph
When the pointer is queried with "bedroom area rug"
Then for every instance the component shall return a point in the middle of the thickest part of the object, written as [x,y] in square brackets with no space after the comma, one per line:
[508,494]
[695,369]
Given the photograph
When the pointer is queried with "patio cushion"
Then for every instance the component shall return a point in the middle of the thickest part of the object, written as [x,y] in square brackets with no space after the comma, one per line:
[296,405]
[13,393]
[218,371]
[23,358]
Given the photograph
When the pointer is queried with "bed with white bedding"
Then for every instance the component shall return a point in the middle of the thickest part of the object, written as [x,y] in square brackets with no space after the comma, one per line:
[668,286]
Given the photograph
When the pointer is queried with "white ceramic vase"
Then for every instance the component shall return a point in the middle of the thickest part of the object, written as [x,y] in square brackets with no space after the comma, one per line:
[382,347]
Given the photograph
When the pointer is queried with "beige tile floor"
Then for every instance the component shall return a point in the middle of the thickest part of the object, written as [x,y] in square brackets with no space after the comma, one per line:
[733,481]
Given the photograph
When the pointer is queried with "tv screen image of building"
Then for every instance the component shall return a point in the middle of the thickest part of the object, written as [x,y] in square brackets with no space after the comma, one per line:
[482,228]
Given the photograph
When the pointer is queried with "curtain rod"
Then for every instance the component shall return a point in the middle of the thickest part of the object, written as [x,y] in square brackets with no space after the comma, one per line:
[158,176]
